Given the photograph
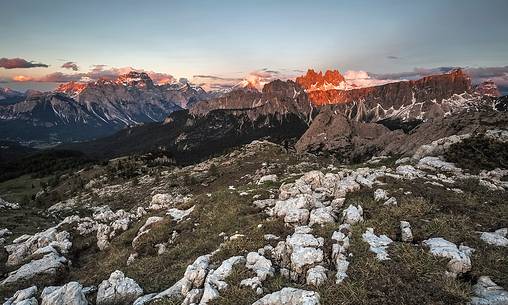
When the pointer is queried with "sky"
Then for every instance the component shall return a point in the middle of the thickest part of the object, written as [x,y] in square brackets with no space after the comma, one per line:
[232,40]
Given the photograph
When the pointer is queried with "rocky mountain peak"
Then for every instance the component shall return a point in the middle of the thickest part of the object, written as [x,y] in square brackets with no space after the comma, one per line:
[488,88]
[319,81]
[71,88]
[135,79]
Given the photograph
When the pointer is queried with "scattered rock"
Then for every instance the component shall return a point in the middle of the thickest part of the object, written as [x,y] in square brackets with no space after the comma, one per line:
[215,281]
[460,257]
[179,215]
[49,265]
[391,201]
[378,244]
[488,293]
[24,297]
[145,229]
[118,290]
[405,230]
[352,214]
[267,178]
[316,276]
[380,195]
[496,238]
[68,294]
[260,265]
[195,274]
[8,205]
[340,251]
[290,296]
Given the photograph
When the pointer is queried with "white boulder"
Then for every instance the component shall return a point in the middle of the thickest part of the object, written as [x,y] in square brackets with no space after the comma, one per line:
[290,296]
[378,244]
[405,231]
[68,294]
[496,238]
[488,293]
[118,290]
[352,214]
[48,265]
[316,276]
[195,274]
[24,297]
[460,257]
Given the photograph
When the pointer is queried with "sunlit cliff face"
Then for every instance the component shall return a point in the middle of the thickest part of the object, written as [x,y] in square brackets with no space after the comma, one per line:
[319,81]
[71,88]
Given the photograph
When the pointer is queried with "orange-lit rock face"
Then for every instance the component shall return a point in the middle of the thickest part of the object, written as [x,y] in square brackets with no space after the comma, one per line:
[393,94]
[318,81]
[71,88]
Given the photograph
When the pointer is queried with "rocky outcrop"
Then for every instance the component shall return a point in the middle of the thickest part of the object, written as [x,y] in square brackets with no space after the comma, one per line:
[488,88]
[350,140]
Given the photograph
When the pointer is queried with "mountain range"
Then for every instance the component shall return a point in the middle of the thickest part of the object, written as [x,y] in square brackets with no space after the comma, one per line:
[83,111]
[356,123]
[189,123]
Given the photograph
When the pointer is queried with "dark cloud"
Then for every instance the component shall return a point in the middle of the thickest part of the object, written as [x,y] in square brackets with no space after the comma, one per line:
[70,65]
[15,63]
[392,57]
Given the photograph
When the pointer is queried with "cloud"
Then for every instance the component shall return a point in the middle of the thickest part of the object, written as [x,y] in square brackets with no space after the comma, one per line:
[101,71]
[392,57]
[16,63]
[360,79]
[70,65]
[96,72]
[56,77]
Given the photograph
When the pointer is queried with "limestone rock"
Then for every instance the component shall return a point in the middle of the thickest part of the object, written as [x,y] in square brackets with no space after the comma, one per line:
[49,265]
[68,294]
[405,230]
[24,297]
[195,274]
[488,293]
[378,244]
[460,257]
[290,296]
[321,216]
[260,265]
[352,214]
[118,290]
[496,238]
[316,276]
[215,281]
[267,178]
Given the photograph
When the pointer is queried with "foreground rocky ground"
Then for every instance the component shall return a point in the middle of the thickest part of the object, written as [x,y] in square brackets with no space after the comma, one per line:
[261,225]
